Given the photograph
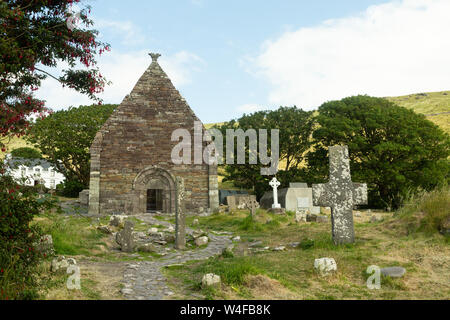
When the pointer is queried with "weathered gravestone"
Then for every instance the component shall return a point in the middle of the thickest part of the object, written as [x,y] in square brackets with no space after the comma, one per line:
[239,201]
[180,223]
[125,237]
[341,194]
[298,197]
[252,205]
[84,197]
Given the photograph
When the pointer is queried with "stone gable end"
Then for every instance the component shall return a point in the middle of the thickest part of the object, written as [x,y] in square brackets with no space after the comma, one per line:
[131,154]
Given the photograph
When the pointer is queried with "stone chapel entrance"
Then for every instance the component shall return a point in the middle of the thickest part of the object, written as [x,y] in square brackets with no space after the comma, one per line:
[155,200]
[154,191]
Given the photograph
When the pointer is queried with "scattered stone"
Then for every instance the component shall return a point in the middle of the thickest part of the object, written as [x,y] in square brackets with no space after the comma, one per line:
[376,218]
[72,261]
[444,228]
[311,217]
[45,245]
[279,211]
[174,265]
[140,235]
[195,222]
[228,250]
[170,229]
[198,233]
[117,221]
[301,215]
[201,241]
[325,266]
[169,238]
[279,248]
[255,244]
[294,244]
[240,201]
[393,272]
[148,247]
[126,291]
[236,239]
[322,219]
[210,280]
[105,229]
[59,264]
[357,214]
[152,231]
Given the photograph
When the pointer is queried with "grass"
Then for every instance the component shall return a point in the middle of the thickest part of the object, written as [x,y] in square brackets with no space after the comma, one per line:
[433,105]
[72,235]
[406,239]
[290,274]
[426,211]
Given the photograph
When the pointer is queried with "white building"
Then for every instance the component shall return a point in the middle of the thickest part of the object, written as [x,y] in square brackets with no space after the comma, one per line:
[31,172]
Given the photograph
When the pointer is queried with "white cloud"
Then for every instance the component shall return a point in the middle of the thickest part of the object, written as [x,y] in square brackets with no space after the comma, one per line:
[180,66]
[123,70]
[390,49]
[250,108]
[129,33]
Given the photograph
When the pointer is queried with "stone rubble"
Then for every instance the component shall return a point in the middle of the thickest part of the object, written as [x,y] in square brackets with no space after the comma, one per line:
[325,266]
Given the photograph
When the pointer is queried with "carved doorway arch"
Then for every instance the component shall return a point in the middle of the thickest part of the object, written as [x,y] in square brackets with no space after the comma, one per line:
[154,178]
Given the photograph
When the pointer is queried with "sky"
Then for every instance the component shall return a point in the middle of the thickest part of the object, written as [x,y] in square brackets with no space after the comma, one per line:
[233,57]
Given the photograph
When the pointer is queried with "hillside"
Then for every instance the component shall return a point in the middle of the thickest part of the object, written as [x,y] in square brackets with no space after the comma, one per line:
[435,105]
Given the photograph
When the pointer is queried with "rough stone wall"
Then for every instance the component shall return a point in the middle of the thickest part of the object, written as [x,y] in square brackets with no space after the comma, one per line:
[138,136]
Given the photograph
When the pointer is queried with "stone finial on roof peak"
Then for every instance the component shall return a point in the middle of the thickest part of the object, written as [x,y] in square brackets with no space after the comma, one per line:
[155,56]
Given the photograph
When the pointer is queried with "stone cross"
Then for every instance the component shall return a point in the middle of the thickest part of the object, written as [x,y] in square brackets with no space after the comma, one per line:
[341,194]
[275,184]
[180,224]
[125,237]
[154,56]
[252,205]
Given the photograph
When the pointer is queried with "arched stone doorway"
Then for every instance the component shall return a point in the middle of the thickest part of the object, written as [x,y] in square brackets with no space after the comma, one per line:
[154,191]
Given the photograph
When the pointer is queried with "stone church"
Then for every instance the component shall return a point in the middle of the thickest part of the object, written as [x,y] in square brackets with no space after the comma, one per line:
[131,167]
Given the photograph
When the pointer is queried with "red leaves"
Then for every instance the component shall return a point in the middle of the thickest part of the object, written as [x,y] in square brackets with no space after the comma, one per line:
[34,35]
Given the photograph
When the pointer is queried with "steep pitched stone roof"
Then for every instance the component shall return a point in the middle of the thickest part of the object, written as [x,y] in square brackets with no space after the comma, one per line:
[153,93]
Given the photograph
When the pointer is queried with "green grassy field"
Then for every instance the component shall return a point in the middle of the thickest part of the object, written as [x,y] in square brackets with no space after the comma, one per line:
[405,239]
[435,105]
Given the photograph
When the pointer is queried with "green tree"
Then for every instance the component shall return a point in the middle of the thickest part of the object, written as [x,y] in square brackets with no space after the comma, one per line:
[65,137]
[393,149]
[295,128]
[26,153]
[35,37]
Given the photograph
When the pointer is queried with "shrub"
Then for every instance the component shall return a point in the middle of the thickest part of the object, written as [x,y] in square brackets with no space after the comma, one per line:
[69,188]
[426,211]
[18,257]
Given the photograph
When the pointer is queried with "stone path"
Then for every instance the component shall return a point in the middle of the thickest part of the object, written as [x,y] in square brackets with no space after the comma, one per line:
[144,280]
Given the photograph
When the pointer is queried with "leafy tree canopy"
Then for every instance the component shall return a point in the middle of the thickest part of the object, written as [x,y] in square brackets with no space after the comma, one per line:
[295,128]
[393,149]
[65,137]
[26,153]
[35,37]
